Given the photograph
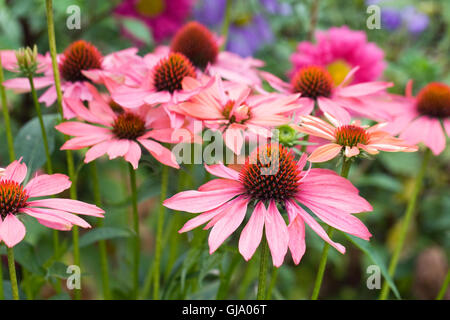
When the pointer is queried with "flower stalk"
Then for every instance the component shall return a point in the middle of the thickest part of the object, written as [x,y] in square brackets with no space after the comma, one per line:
[406,222]
[262,282]
[137,240]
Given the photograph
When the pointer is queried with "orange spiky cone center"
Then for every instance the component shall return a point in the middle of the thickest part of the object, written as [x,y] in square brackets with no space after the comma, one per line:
[128,126]
[79,56]
[170,72]
[270,173]
[12,197]
[312,82]
[434,100]
[197,43]
[350,135]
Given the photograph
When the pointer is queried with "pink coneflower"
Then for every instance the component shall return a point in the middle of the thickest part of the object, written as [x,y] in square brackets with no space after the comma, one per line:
[163,17]
[232,109]
[271,177]
[78,57]
[350,138]
[419,118]
[202,47]
[315,84]
[339,50]
[117,131]
[55,213]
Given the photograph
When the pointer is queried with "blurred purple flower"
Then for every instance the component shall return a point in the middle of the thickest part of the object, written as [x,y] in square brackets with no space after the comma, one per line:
[210,13]
[416,22]
[391,19]
[277,7]
[245,39]
[246,35]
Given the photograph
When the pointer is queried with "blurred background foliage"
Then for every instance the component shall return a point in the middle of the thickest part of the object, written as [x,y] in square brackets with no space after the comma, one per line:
[418,52]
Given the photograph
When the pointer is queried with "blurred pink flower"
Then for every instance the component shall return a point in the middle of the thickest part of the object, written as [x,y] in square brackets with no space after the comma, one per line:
[118,131]
[55,213]
[350,138]
[339,50]
[163,17]
[419,118]
[316,86]
[272,176]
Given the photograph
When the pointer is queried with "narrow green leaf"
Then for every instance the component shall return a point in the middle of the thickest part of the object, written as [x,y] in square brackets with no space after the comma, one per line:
[104,233]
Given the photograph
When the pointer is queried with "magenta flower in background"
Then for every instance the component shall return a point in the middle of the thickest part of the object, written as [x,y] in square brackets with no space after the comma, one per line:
[55,213]
[163,17]
[340,49]
[224,204]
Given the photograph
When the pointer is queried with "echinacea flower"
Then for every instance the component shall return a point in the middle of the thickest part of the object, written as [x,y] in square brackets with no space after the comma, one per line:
[270,178]
[316,85]
[349,138]
[163,17]
[339,50]
[419,118]
[78,57]
[55,213]
[202,47]
[232,109]
[118,134]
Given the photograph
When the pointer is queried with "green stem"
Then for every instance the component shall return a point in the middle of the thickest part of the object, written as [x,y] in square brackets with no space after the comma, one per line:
[137,243]
[101,243]
[70,163]
[9,136]
[406,222]
[2,295]
[159,231]
[12,274]
[444,287]
[261,295]
[226,24]
[313,19]
[272,283]
[225,277]
[346,164]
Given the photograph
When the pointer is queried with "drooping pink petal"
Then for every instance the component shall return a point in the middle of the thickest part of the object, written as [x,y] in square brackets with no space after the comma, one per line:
[435,137]
[78,129]
[202,218]
[197,201]
[296,229]
[325,152]
[85,141]
[68,205]
[162,154]
[228,223]
[217,184]
[220,170]
[252,233]
[133,154]
[363,89]
[276,233]
[118,148]
[331,107]
[58,216]
[12,230]
[97,151]
[315,226]
[15,171]
[46,185]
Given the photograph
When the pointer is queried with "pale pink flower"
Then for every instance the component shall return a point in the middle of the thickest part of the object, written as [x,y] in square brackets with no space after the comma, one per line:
[55,213]
[232,109]
[79,57]
[419,118]
[339,50]
[271,177]
[316,86]
[349,138]
[119,132]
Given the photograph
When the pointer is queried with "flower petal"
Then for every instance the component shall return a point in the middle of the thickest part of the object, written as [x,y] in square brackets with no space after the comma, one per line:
[276,233]
[68,205]
[252,233]
[12,230]
[46,185]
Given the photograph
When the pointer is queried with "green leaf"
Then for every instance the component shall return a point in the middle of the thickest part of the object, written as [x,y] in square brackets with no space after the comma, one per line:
[138,29]
[58,270]
[29,144]
[375,258]
[104,233]
[24,254]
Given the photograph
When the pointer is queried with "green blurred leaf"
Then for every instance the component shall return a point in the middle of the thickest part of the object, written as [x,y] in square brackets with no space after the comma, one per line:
[104,233]
[366,247]
[138,29]
[24,254]
[58,270]
[29,144]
